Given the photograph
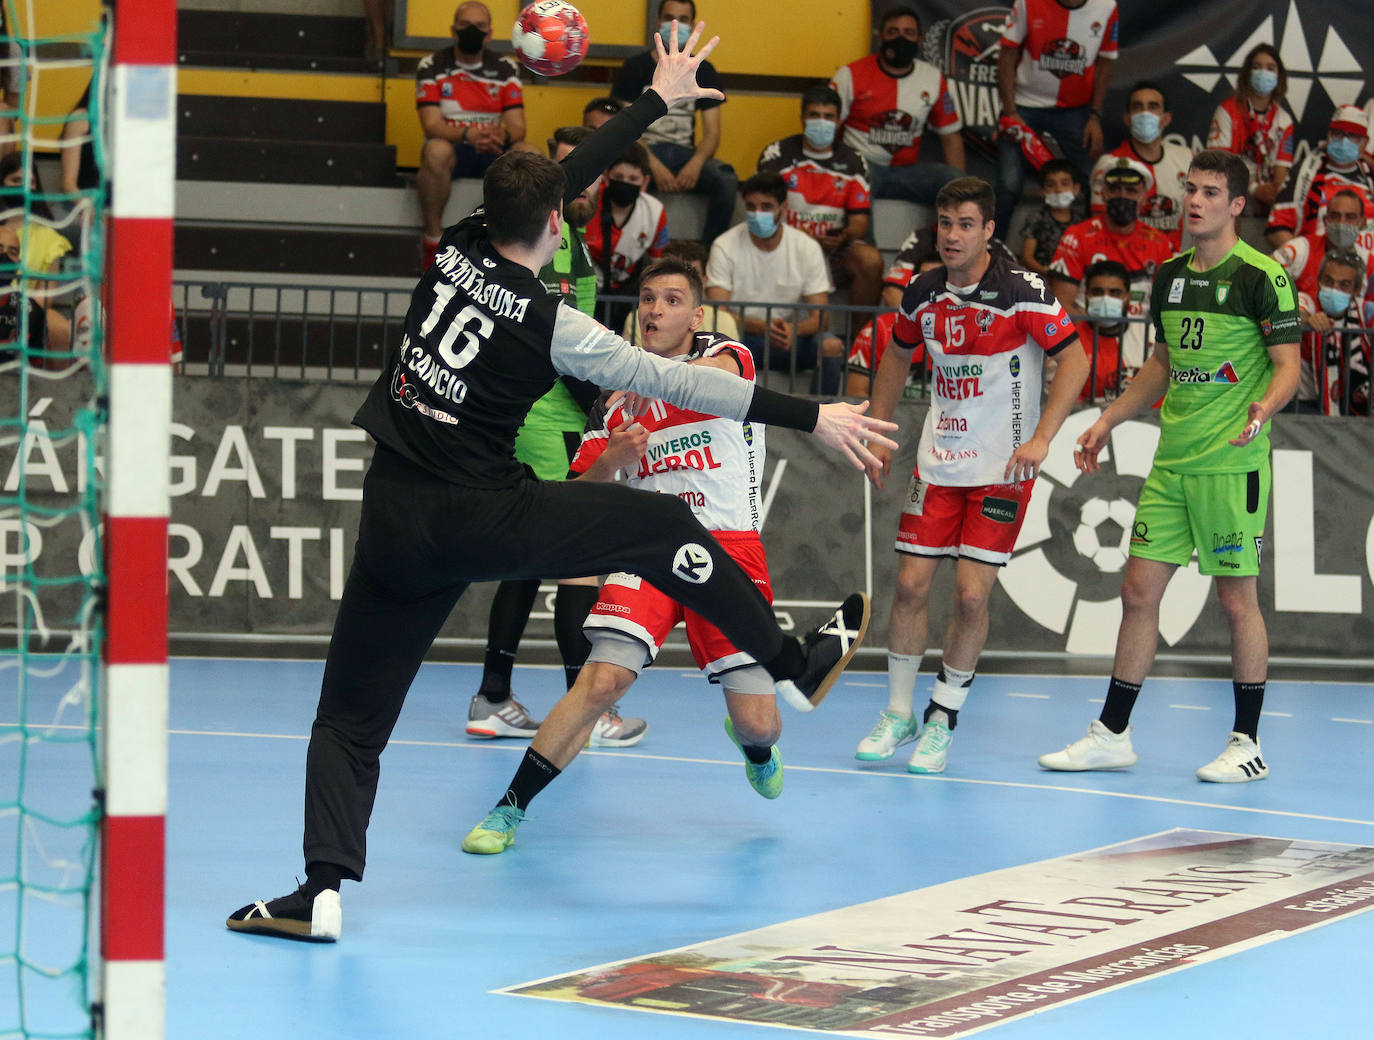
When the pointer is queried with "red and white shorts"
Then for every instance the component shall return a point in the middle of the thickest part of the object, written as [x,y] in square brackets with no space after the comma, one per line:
[632,607]
[980,523]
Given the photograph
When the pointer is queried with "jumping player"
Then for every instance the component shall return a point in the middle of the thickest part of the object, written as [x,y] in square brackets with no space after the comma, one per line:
[987,325]
[1226,358]
[712,464]
[445,503]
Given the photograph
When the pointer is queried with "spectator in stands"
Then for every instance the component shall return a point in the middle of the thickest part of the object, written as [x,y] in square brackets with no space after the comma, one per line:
[1301,256]
[1052,76]
[1256,125]
[628,230]
[1118,235]
[79,172]
[11,300]
[41,244]
[679,160]
[717,319]
[599,110]
[867,350]
[827,194]
[1107,294]
[886,100]
[1147,116]
[1301,206]
[1334,375]
[764,260]
[1064,205]
[471,109]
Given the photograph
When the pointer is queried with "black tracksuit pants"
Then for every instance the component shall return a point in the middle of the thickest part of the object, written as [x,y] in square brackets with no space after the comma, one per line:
[421,541]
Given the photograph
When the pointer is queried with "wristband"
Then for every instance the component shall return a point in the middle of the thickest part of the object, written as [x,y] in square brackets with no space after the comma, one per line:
[774,409]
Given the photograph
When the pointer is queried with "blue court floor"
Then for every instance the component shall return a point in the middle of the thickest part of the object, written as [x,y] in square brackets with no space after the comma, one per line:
[636,851]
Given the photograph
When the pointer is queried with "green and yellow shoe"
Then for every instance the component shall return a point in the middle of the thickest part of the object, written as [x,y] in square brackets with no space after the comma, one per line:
[766,777]
[495,833]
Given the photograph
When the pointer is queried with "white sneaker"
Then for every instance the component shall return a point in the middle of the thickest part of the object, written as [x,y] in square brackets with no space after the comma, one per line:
[891,732]
[613,731]
[1238,764]
[931,750]
[1100,749]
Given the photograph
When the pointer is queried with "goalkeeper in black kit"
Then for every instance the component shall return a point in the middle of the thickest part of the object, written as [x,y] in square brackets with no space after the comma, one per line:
[445,503]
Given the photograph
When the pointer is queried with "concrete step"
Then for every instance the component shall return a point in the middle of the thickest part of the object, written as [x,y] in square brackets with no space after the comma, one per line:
[286,162]
[281,119]
[276,41]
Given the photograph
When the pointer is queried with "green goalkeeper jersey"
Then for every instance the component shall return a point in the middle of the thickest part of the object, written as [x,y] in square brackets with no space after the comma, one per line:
[1219,325]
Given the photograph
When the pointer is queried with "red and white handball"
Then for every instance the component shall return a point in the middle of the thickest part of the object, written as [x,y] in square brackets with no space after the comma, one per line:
[550,37]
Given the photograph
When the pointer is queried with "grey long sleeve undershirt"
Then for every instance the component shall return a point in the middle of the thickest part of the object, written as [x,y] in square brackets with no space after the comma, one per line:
[585,349]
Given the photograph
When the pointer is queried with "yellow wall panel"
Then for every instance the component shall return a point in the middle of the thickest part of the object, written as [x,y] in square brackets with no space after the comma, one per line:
[608,21]
[54,90]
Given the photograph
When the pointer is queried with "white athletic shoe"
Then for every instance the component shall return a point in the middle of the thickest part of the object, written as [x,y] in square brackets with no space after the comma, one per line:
[505,719]
[1238,764]
[931,750]
[891,732]
[613,731]
[1100,749]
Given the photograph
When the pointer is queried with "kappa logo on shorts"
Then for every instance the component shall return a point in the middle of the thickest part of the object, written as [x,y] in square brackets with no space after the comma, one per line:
[693,564]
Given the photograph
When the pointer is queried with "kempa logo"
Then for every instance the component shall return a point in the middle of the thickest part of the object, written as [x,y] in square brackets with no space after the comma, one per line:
[1064,571]
[693,563]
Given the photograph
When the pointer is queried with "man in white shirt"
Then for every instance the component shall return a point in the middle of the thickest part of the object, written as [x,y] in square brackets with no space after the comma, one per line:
[773,267]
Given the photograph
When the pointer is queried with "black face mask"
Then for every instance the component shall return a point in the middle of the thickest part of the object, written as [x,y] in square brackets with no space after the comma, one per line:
[1122,211]
[470,39]
[622,193]
[899,52]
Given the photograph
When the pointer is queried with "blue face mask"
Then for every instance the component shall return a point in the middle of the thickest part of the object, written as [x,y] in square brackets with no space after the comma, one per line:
[762,225]
[683,31]
[820,133]
[1334,302]
[1145,127]
[1342,150]
[1264,80]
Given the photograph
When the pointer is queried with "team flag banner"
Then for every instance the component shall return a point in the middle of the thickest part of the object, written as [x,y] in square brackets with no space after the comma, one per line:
[960,957]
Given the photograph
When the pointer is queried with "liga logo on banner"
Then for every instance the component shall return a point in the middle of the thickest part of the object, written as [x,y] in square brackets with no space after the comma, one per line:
[956,958]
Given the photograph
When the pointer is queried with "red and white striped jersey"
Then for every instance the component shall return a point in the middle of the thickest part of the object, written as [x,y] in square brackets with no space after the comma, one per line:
[1263,140]
[1059,48]
[715,465]
[987,346]
[467,95]
[884,116]
[1301,205]
[644,234]
[821,193]
[1302,256]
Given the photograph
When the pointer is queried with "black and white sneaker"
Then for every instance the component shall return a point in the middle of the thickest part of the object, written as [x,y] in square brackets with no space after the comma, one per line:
[828,649]
[296,916]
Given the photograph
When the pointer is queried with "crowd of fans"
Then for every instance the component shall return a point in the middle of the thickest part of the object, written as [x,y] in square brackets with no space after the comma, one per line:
[1106,219]
[807,206]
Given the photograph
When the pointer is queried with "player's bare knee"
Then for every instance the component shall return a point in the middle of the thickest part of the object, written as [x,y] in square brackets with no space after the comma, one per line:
[970,602]
[604,685]
[1138,594]
[1238,597]
[757,727]
[911,591]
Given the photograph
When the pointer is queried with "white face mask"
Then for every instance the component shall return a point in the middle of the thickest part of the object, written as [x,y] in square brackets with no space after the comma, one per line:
[1059,199]
[1106,307]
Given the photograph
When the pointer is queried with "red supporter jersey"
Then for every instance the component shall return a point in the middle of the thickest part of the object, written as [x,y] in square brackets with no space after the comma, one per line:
[1301,205]
[987,347]
[1082,245]
[884,116]
[1103,386]
[468,95]
[1302,256]
[643,235]
[821,193]
[871,343]
[1059,48]
[715,465]
[1263,139]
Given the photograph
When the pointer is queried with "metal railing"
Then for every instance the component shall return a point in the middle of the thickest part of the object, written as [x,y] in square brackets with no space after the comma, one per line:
[341,332]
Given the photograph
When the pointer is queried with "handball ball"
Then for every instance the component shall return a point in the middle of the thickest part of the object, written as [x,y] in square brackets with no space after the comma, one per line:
[550,37]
